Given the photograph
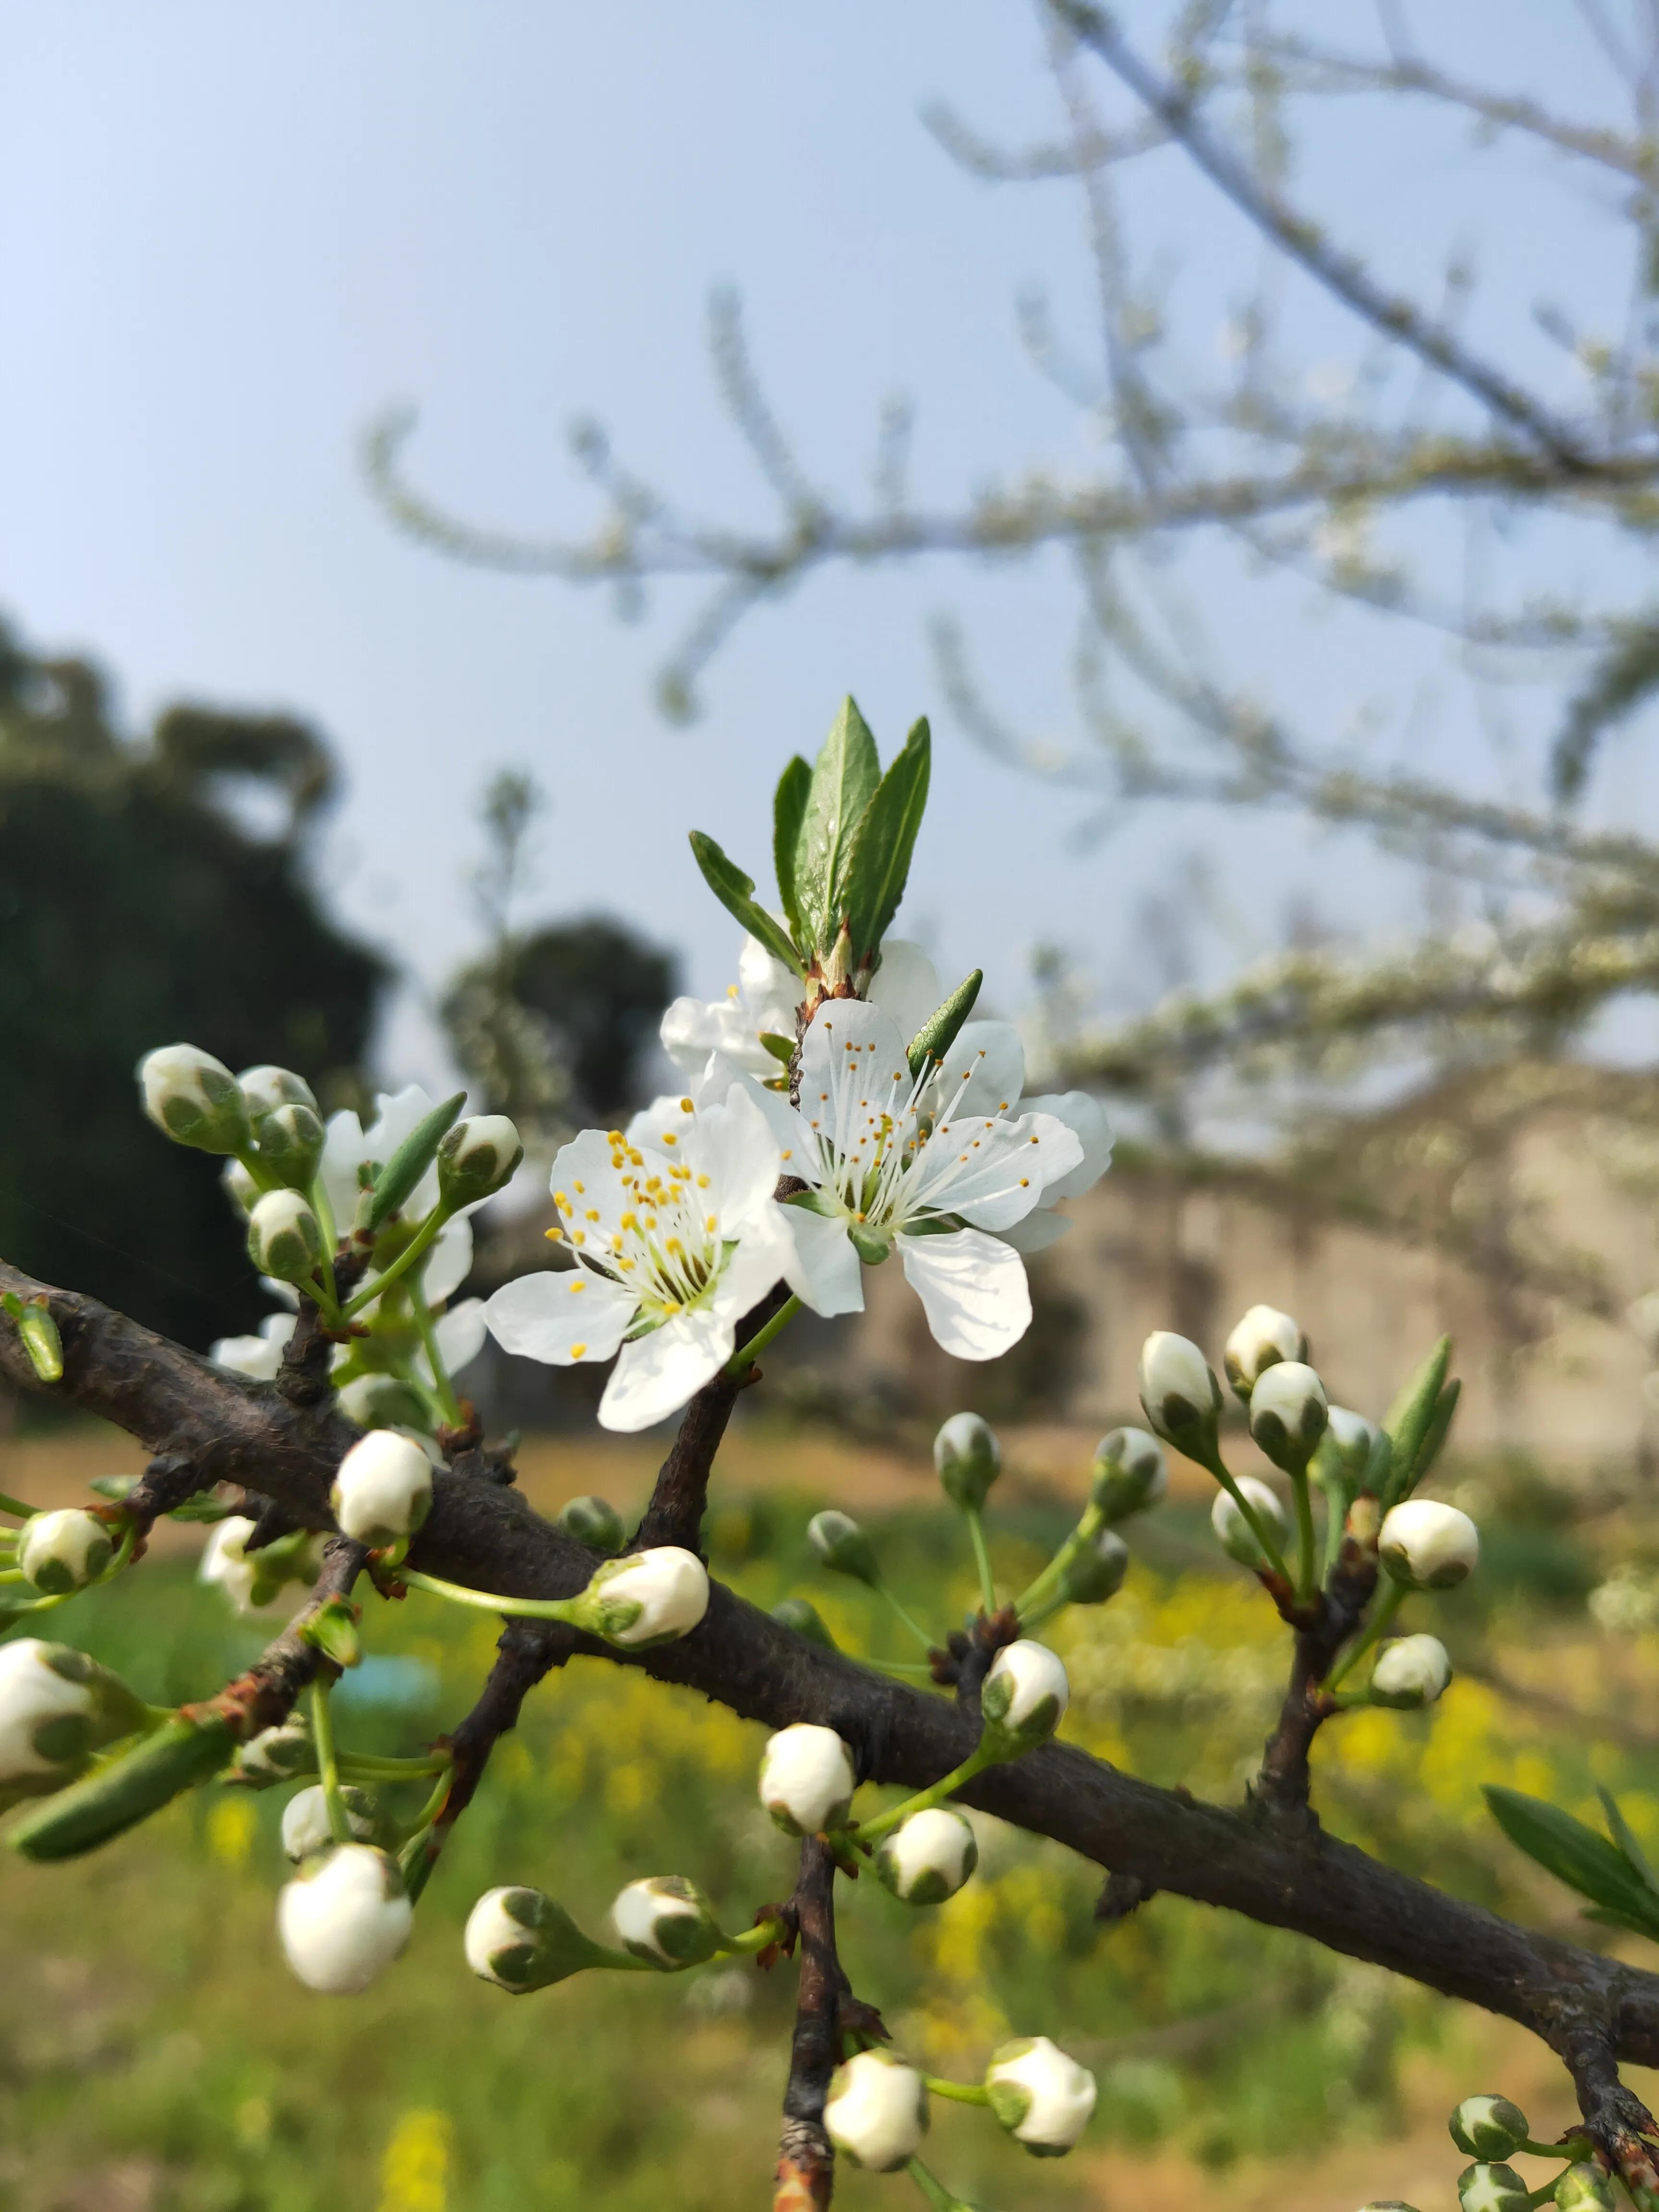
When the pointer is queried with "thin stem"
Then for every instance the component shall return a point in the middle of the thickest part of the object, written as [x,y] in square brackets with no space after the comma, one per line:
[1574,2150]
[909,1621]
[738,1363]
[1305,1529]
[907,1669]
[1030,1621]
[448,1405]
[17,1508]
[328,1767]
[531,1608]
[1387,1606]
[365,1766]
[988,1589]
[1336,1513]
[870,1831]
[1035,1592]
[752,1940]
[323,1207]
[414,1251]
[958,2092]
[931,2187]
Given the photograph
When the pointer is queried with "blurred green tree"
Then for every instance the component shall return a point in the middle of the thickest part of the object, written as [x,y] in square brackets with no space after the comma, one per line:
[150,890]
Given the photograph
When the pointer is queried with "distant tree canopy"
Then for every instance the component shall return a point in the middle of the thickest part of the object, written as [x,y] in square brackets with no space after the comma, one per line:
[137,910]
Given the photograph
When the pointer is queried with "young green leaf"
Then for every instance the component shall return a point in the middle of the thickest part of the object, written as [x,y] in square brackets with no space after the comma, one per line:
[736,893]
[1574,1854]
[399,1177]
[844,781]
[1411,1418]
[126,1789]
[1435,1436]
[788,812]
[880,861]
[1619,1829]
[939,1032]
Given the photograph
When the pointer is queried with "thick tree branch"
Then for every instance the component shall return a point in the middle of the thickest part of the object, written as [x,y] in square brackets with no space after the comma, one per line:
[485,1536]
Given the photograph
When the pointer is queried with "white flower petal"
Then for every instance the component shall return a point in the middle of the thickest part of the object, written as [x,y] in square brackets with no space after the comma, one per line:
[769,992]
[1086,1118]
[693,1028]
[255,1357]
[797,1154]
[1036,1232]
[733,1145]
[667,1116]
[851,1052]
[984,1071]
[973,1290]
[460,1334]
[826,1273]
[449,1262]
[906,985]
[991,1172]
[343,1151]
[656,1374]
[546,1316]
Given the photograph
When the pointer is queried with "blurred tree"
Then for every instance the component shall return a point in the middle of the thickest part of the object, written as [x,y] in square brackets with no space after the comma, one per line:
[139,907]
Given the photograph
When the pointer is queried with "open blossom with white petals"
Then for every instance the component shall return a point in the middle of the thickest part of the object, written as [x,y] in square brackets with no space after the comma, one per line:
[1039,2094]
[260,1357]
[675,1233]
[876,2111]
[929,1166]
[349,1148]
[761,1003]
[343,1919]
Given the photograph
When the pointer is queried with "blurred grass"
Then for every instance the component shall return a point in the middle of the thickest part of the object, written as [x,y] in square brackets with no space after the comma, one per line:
[154,2050]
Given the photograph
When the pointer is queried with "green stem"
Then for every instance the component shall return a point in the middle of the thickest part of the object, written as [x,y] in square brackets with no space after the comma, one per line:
[752,1940]
[324,1210]
[1304,1530]
[328,1767]
[988,1589]
[449,1406]
[531,1608]
[1252,1522]
[738,1363]
[909,1619]
[364,1767]
[414,1251]
[1335,1494]
[978,1759]
[1037,1592]
[931,2187]
[907,1670]
[1030,1621]
[958,2092]
[12,1575]
[17,1508]
[1575,2150]
[1387,1606]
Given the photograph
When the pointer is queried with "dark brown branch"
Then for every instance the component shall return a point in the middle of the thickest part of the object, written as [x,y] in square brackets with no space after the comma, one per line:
[264,1695]
[486,1536]
[805,2177]
[1281,1788]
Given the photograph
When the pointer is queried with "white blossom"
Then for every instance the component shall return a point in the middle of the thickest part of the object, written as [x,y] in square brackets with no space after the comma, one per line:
[349,1147]
[1043,2097]
[1413,1670]
[929,1857]
[648,1597]
[382,1488]
[876,2111]
[806,1780]
[63,1551]
[1263,1338]
[226,1563]
[343,1918]
[1428,1546]
[1025,1692]
[761,1003]
[675,1234]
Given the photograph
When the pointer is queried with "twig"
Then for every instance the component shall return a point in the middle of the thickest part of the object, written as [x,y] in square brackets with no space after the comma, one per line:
[805,2177]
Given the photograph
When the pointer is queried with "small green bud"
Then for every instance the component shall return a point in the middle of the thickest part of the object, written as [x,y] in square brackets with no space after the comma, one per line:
[1491,2188]
[1584,2188]
[332,1629]
[477,1157]
[277,1754]
[1095,1572]
[843,1547]
[383,1402]
[1489,2127]
[290,1139]
[668,1920]
[804,1617]
[594,1522]
[285,1237]
[521,1940]
[39,1332]
[968,1460]
[194,1099]
[1130,1474]
[103,1805]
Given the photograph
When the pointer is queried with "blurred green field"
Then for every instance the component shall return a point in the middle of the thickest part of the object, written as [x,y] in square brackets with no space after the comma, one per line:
[154,2052]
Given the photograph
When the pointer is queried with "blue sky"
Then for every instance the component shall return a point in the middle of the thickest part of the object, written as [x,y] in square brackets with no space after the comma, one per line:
[229,237]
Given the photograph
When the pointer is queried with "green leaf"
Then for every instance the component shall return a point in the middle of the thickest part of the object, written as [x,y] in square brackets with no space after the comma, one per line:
[1574,1854]
[1411,1419]
[788,812]
[939,1031]
[736,893]
[1619,1829]
[844,778]
[879,865]
[782,1048]
[399,1177]
[117,1795]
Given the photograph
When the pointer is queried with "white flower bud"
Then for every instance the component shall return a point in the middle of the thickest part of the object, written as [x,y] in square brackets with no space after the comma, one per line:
[843,1547]
[266,1088]
[1351,1437]
[1491,2189]
[521,1940]
[876,2111]
[382,1489]
[928,1858]
[668,1920]
[1411,1671]
[381,1402]
[194,1097]
[285,1237]
[1025,1694]
[806,1780]
[1261,1340]
[63,1551]
[225,1563]
[1181,1396]
[343,1918]
[1489,2127]
[240,1186]
[277,1754]
[476,1158]
[57,1706]
[1584,2188]
[1428,1546]
[1235,1533]
[649,1597]
[1130,1474]
[290,1139]
[1288,1413]
[1039,2095]
[967,1459]
[306,1830]
[1096,1571]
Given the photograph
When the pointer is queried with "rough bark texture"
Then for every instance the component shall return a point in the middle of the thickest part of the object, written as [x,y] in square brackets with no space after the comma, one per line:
[1591,2010]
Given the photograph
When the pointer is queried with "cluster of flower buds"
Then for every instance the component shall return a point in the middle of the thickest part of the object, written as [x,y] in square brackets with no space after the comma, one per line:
[877,2112]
